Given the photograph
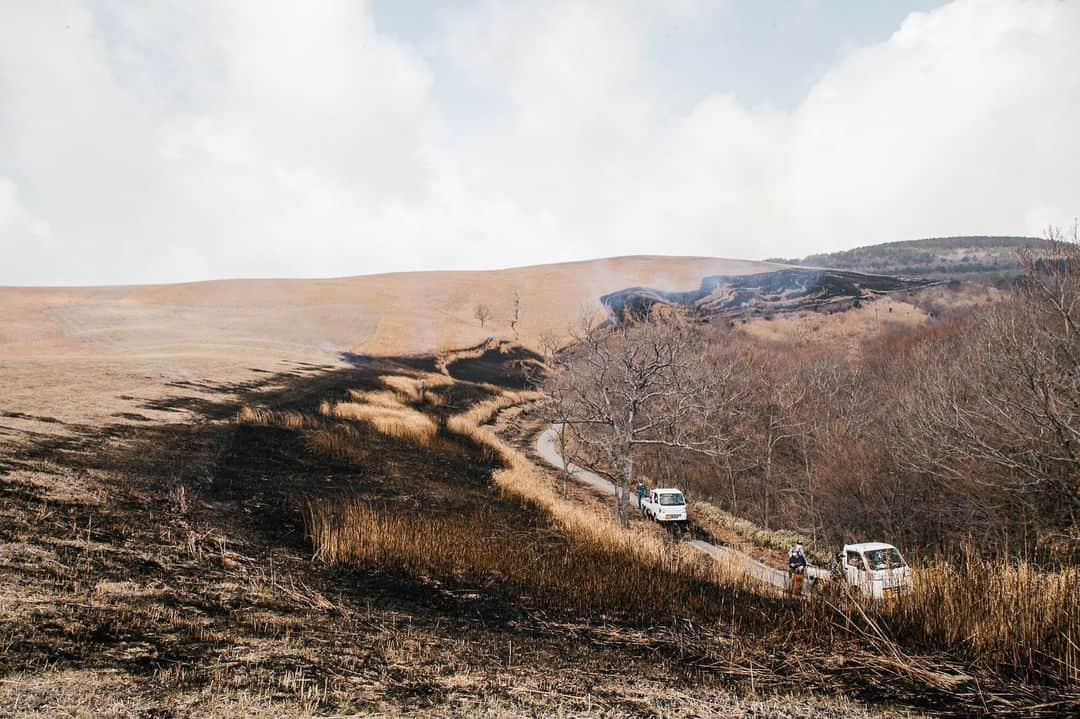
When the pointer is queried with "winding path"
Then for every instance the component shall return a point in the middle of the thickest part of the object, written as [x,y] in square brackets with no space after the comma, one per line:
[547,448]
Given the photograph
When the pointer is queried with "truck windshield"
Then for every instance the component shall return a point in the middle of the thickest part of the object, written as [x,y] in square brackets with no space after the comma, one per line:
[671,498]
[879,559]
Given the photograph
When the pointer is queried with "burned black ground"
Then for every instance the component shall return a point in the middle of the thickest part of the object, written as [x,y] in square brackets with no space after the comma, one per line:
[189,545]
[515,368]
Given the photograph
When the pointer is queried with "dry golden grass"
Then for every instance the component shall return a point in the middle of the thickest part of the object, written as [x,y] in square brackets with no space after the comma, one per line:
[409,387]
[565,569]
[847,330]
[483,412]
[379,398]
[1012,615]
[275,418]
[383,314]
[774,539]
[398,421]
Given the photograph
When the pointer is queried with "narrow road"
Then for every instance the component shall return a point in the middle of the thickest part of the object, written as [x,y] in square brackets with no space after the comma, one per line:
[547,447]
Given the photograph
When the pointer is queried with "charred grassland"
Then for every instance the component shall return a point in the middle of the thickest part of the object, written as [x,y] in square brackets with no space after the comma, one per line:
[313,562]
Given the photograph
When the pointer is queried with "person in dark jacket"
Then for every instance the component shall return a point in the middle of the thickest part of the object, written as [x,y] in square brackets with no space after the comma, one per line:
[796,568]
[640,493]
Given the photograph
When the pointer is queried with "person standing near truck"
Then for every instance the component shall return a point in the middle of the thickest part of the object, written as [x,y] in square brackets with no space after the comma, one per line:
[640,493]
[796,568]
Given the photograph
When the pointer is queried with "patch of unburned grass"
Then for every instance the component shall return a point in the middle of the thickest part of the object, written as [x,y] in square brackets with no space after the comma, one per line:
[444,360]
[408,387]
[275,418]
[397,421]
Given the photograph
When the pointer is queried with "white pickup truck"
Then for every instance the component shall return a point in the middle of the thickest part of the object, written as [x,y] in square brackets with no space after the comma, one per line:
[664,505]
[876,569]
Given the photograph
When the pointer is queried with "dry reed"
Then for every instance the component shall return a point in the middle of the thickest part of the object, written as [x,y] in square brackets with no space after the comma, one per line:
[342,443]
[381,398]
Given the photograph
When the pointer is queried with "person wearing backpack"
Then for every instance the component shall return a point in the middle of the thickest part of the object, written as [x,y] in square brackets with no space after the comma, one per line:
[796,568]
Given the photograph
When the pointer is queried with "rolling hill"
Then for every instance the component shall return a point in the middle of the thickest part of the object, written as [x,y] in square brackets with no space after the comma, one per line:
[113,343]
[383,314]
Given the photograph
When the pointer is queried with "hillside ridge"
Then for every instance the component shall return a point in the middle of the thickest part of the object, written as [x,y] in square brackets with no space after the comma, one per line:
[939,257]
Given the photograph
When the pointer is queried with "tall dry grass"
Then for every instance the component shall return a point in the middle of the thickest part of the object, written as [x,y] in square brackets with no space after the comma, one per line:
[380,398]
[388,410]
[560,570]
[272,418]
[1002,615]
[341,443]
[483,412]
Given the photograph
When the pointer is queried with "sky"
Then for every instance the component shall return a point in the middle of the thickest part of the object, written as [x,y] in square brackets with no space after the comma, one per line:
[200,139]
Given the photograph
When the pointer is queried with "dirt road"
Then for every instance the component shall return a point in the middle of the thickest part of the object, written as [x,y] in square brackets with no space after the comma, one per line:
[548,449]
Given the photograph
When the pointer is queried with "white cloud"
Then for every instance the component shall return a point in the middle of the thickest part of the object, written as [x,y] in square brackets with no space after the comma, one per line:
[958,124]
[187,141]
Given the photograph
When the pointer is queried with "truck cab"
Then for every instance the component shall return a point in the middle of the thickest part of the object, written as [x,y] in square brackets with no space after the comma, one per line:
[876,569]
[665,505]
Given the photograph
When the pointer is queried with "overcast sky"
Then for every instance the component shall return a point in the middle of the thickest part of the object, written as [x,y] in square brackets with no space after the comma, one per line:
[199,139]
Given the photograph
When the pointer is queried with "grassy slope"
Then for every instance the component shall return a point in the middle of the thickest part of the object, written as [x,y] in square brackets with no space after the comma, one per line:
[385,314]
[149,342]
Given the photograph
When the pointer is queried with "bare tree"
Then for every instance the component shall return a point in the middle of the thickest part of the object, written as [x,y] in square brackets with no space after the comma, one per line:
[515,314]
[620,388]
[482,313]
[731,398]
[994,413]
[780,395]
